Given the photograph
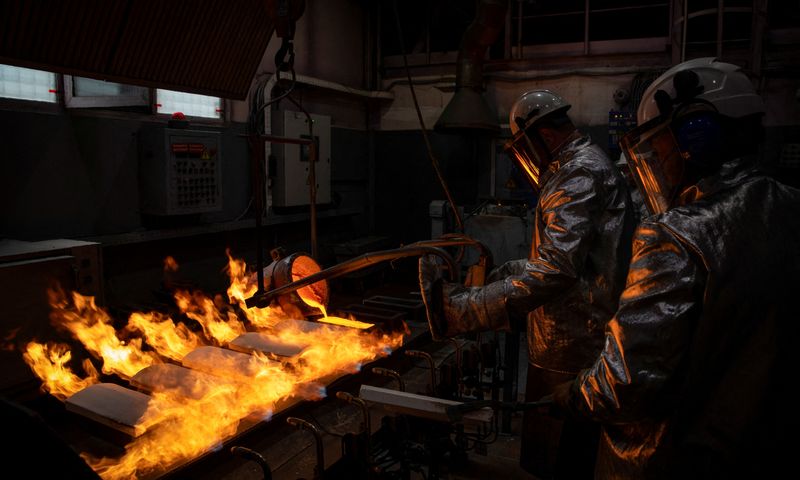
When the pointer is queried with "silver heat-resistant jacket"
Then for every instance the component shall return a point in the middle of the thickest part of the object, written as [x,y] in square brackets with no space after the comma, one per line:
[695,379]
[569,287]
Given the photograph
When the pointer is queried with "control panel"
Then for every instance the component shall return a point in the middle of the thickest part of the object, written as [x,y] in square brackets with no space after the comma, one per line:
[180,171]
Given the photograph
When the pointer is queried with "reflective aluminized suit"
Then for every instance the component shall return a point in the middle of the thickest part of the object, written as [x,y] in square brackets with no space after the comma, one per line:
[570,285]
[694,379]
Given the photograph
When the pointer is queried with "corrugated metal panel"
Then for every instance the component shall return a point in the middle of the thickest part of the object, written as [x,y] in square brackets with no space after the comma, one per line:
[201,46]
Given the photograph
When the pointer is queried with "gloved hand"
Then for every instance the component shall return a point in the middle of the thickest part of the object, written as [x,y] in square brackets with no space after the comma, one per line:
[431,288]
[511,267]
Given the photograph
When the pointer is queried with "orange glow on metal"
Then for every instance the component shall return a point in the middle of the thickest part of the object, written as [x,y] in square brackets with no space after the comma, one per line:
[313,301]
[345,322]
[315,294]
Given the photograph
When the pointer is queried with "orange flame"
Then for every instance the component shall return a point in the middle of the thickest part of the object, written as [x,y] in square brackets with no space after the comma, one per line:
[168,339]
[243,286]
[179,428]
[48,362]
[93,327]
[170,265]
[221,326]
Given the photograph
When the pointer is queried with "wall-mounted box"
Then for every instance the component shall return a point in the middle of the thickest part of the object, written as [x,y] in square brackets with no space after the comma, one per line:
[180,171]
[291,165]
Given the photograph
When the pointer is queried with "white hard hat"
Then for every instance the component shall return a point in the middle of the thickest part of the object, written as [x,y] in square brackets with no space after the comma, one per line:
[723,85]
[532,106]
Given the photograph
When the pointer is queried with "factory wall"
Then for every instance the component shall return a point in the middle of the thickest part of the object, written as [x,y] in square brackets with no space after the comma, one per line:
[70,173]
[403,156]
[76,175]
[591,97]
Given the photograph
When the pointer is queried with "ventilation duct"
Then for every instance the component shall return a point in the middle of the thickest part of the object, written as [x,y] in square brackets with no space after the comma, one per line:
[468,111]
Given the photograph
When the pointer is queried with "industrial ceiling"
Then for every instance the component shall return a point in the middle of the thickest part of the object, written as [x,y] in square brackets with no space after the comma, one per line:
[211,47]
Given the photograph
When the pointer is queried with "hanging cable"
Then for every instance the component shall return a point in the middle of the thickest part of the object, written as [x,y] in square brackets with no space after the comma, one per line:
[434,160]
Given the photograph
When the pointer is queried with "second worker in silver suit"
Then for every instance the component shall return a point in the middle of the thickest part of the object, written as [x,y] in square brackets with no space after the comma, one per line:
[569,286]
[696,378]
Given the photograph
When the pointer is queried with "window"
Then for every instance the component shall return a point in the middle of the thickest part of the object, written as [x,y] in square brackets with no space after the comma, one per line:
[27,84]
[189,104]
[711,31]
[80,92]
[533,28]
[589,26]
[83,92]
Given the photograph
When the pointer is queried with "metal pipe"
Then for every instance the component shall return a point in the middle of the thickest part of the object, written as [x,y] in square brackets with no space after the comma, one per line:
[391,373]
[254,456]
[338,87]
[519,29]
[468,111]
[685,28]
[319,469]
[434,161]
[757,36]
[507,36]
[456,240]
[312,186]
[349,398]
[630,7]
[456,412]
[431,365]
[480,35]
[586,28]
[259,159]
[262,300]
[312,180]
[510,374]
[367,426]
[457,346]
[459,240]
[720,18]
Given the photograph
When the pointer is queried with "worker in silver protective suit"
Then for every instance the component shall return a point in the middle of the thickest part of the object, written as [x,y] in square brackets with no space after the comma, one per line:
[569,286]
[695,375]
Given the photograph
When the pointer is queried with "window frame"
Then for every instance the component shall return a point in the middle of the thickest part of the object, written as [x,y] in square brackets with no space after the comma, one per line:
[101,101]
[654,44]
[514,49]
[64,85]
[10,103]
[223,107]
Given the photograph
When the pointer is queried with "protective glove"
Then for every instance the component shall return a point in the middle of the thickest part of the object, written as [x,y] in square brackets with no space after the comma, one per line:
[517,318]
[453,309]
[431,288]
[511,267]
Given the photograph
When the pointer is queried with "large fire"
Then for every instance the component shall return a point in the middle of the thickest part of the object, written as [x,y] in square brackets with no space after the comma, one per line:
[178,428]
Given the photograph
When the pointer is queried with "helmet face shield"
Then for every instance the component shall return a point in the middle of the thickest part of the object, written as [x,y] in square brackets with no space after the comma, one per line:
[664,151]
[686,119]
[521,148]
[655,162]
[526,146]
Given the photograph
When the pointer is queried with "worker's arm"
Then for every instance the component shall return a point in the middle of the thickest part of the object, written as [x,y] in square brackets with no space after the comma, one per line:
[648,339]
[568,208]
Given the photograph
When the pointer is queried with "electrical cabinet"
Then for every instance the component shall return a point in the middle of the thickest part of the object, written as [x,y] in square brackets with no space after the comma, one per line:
[180,171]
[290,168]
